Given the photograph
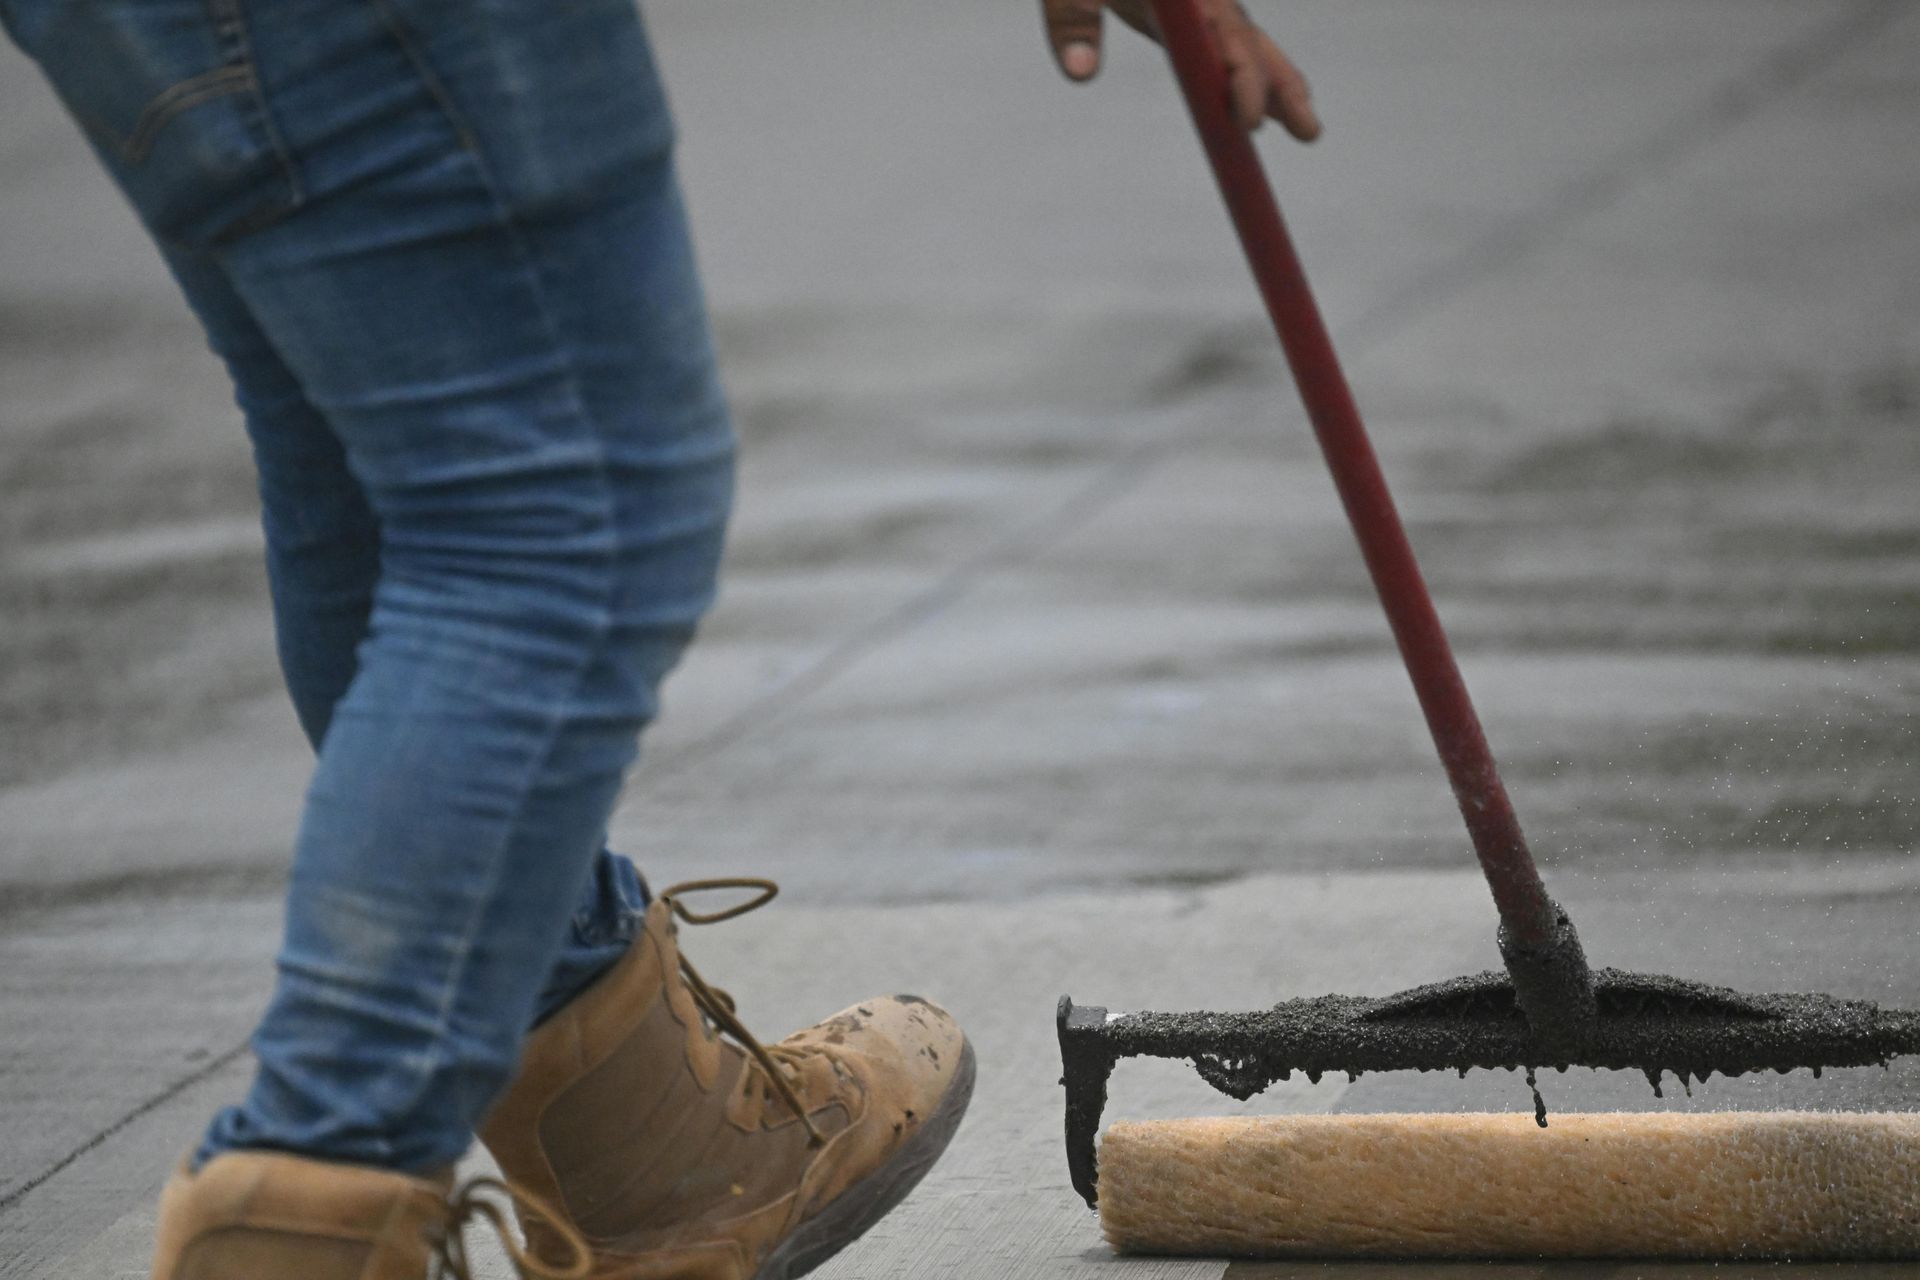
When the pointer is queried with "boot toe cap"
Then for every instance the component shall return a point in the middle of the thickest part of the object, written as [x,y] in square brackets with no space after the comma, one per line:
[912,1048]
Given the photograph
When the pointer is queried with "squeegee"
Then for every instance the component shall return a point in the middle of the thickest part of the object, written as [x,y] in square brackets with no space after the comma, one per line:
[1699,1185]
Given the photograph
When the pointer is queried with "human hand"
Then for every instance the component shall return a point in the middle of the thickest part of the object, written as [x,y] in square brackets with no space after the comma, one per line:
[1262,80]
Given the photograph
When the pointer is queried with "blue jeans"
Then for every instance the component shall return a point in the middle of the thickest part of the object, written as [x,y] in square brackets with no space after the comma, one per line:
[441,248]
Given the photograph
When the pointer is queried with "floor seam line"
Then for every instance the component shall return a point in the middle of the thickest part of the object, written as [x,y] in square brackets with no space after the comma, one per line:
[1109,482]
[152,1104]
[1732,103]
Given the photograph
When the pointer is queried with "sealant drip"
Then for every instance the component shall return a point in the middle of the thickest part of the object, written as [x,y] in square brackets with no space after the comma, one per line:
[1539,1103]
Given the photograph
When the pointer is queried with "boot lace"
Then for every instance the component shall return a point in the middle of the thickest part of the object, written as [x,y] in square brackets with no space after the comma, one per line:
[481,1199]
[779,1063]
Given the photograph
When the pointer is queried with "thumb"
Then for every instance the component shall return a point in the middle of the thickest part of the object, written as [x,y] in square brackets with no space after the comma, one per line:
[1073,29]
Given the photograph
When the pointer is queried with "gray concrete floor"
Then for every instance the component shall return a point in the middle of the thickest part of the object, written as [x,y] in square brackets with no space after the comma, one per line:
[1044,662]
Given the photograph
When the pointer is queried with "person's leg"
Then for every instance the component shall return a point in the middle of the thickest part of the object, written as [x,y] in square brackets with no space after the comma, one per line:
[512,351]
[323,560]
[458,230]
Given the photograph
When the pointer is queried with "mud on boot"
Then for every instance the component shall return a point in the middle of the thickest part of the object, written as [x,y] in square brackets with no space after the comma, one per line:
[681,1148]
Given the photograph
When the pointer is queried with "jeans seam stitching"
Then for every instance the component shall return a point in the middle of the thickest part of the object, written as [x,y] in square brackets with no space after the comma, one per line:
[230,21]
[469,141]
[169,103]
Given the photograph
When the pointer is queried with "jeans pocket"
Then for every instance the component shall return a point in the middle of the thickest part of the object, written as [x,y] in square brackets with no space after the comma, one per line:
[168,94]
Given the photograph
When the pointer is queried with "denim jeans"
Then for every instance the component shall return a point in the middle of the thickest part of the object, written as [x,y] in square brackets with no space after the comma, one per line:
[441,248]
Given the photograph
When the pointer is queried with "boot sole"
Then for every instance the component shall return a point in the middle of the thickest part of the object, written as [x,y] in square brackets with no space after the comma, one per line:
[874,1196]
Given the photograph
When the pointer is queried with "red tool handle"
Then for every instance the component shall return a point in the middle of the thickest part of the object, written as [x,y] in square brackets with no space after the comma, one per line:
[1524,906]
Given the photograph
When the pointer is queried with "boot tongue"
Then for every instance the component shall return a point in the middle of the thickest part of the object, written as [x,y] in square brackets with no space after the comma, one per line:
[715,1007]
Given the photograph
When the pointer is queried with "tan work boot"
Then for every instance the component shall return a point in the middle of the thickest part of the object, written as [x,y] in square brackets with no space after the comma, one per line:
[682,1156]
[258,1215]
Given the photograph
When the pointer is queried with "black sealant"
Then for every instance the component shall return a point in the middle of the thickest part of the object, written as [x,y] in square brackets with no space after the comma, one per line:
[1645,1022]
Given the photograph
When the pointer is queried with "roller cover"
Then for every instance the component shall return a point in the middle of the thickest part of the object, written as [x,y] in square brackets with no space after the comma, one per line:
[1728,1184]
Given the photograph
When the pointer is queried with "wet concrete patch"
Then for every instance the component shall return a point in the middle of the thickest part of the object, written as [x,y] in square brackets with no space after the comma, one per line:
[1775,528]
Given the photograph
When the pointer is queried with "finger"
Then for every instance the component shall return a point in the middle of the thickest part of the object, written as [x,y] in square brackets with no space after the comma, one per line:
[1289,96]
[1246,77]
[1073,29]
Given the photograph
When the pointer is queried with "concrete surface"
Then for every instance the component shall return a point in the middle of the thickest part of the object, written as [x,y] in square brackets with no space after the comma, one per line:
[1045,663]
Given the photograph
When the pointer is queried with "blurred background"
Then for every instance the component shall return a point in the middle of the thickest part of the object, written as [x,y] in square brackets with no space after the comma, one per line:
[1039,603]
